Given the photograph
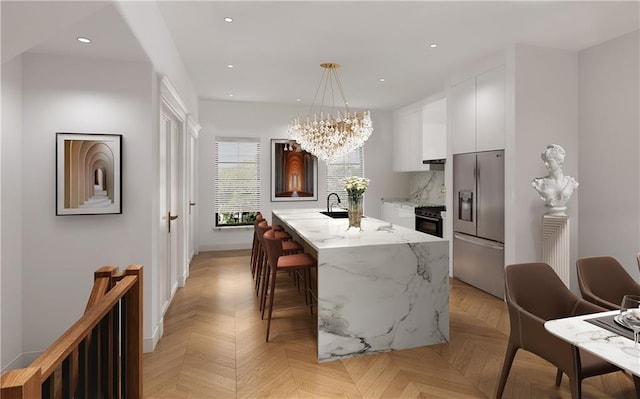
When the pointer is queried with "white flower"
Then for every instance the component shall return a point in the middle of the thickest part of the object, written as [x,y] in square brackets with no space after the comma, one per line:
[355,185]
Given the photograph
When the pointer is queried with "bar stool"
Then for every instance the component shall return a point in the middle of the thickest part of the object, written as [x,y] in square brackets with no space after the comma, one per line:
[255,246]
[289,247]
[279,261]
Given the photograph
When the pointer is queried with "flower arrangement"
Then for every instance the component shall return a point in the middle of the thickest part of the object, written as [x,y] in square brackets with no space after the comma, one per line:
[355,185]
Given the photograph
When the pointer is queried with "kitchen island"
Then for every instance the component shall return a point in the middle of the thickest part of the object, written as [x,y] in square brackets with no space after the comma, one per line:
[380,289]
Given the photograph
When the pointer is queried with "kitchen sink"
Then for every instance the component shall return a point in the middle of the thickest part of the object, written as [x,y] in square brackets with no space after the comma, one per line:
[337,214]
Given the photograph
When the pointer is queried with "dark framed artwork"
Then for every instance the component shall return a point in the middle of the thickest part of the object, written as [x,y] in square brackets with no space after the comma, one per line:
[88,174]
[294,172]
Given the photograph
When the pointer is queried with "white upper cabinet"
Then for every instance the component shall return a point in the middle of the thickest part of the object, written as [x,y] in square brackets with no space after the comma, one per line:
[407,139]
[434,130]
[490,123]
[463,116]
[419,133]
[477,110]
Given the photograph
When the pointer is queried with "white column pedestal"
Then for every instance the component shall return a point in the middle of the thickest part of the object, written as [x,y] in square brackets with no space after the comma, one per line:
[556,245]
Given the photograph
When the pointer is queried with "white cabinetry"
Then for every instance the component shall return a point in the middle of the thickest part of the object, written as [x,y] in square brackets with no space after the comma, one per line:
[419,133]
[477,107]
[399,214]
[434,130]
[407,139]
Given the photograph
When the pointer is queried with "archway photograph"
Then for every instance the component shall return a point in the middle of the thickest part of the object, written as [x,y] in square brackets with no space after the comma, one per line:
[293,172]
[88,174]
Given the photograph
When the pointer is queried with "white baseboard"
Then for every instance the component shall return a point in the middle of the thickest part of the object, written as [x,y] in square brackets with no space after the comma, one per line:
[224,247]
[149,344]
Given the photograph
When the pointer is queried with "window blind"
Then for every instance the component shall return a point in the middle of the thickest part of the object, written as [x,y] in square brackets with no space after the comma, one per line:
[237,183]
[351,164]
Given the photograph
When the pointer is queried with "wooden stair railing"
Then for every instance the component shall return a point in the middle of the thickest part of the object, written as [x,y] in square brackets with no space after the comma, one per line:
[100,356]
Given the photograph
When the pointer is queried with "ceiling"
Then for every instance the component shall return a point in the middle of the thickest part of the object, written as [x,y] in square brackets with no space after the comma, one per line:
[277,47]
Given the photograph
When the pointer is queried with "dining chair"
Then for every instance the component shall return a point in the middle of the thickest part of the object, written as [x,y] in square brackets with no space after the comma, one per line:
[604,281]
[279,261]
[534,294]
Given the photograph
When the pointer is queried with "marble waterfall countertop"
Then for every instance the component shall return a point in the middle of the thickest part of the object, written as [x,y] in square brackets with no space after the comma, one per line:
[380,289]
[322,231]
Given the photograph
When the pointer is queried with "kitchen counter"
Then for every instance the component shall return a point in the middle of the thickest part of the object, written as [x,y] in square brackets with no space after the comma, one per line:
[383,288]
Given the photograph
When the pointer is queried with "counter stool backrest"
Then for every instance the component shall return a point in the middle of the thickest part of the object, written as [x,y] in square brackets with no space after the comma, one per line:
[273,246]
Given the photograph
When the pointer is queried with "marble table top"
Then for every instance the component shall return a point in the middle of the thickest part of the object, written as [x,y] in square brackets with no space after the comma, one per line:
[607,345]
[322,231]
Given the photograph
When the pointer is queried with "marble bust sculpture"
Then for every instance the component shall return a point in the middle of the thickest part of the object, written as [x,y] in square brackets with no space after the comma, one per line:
[555,189]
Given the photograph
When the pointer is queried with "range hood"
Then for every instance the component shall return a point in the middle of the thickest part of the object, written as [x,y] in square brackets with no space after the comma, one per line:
[435,164]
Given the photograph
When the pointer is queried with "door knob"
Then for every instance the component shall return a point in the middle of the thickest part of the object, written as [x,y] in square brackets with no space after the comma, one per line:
[170,218]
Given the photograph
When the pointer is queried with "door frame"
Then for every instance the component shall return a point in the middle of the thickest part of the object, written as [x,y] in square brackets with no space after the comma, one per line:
[173,108]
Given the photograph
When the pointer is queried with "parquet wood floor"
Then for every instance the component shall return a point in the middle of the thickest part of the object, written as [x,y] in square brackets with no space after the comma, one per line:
[214,347]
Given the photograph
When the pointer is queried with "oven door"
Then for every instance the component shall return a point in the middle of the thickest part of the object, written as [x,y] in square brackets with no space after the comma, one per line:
[429,225]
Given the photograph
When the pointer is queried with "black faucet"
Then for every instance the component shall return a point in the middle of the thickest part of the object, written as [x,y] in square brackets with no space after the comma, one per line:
[328,196]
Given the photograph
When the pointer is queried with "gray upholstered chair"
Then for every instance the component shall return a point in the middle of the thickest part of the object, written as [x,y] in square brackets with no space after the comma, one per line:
[535,294]
[603,281]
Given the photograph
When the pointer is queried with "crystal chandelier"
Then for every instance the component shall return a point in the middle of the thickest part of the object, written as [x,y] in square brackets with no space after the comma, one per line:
[330,134]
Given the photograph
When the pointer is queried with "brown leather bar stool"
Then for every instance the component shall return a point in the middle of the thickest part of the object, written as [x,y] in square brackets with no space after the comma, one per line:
[279,261]
[289,247]
[255,245]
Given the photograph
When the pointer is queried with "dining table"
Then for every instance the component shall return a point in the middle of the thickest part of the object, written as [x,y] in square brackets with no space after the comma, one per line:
[601,335]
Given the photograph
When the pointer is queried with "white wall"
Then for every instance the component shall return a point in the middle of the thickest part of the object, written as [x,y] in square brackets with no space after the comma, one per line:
[609,206]
[543,106]
[60,253]
[269,121]
[148,25]
[11,235]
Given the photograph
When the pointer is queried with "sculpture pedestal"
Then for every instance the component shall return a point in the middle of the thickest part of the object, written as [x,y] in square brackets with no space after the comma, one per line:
[556,245]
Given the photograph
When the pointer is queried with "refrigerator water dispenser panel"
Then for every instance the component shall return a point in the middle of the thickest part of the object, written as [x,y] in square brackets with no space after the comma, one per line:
[465,205]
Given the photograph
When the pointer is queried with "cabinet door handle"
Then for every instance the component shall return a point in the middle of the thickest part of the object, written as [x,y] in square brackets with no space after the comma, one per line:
[192,204]
[169,219]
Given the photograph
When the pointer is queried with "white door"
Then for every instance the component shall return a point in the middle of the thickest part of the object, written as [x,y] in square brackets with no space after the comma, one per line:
[170,204]
[191,179]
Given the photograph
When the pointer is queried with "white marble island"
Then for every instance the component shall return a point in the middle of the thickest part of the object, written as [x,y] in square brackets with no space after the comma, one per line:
[383,288]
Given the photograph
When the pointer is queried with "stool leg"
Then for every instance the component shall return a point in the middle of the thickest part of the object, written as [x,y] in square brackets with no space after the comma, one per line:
[260,270]
[254,254]
[264,291]
[273,287]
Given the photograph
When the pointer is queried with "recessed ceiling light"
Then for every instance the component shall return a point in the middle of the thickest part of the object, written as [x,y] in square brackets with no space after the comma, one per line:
[83,40]
[297,99]
[228,19]
[230,66]
[230,95]
[381,79]
[433,45]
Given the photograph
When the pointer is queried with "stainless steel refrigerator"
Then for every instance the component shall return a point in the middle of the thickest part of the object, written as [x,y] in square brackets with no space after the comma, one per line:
[478,220]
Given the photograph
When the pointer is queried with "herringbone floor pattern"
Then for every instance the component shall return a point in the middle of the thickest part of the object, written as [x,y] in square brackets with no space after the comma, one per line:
[214,347]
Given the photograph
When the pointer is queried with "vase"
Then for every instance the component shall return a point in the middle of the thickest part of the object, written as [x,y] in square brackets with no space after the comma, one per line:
[355,210]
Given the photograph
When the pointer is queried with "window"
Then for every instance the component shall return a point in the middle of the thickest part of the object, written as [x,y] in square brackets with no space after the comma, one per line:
[237,181]
[351,164]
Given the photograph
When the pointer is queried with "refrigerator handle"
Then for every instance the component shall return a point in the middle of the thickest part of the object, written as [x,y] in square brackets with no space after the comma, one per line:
[479,241]
[478,185]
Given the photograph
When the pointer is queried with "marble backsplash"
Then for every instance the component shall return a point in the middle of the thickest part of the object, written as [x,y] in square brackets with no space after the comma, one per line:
[426,187]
